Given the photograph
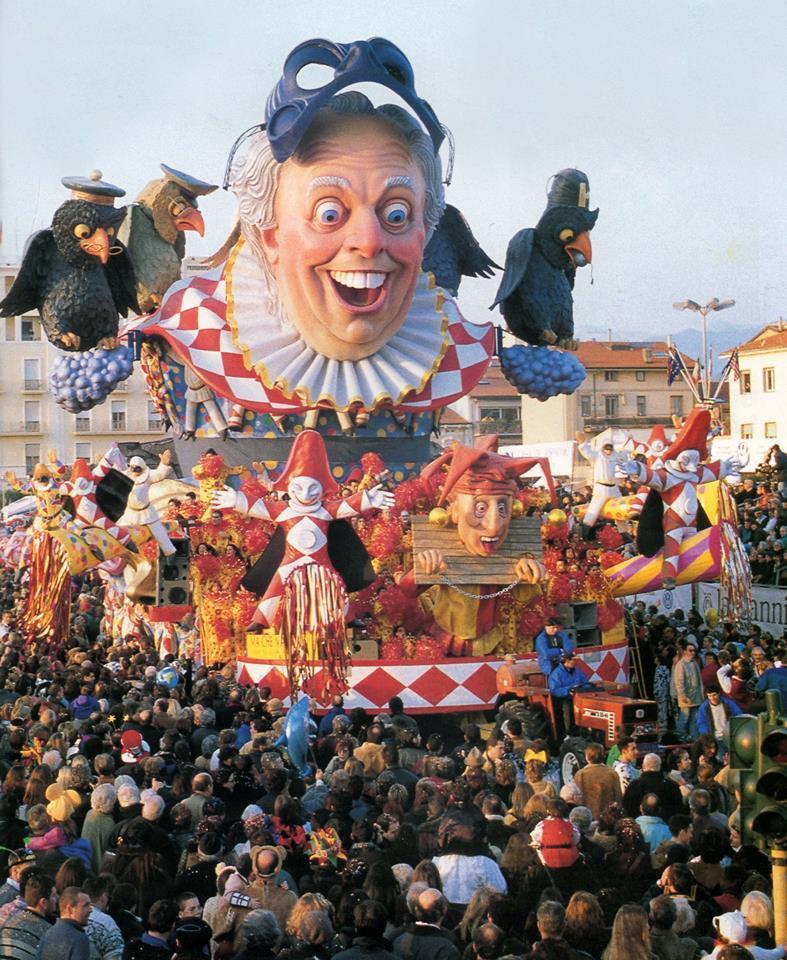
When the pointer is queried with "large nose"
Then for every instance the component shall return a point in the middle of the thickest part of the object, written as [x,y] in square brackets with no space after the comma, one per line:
[493,523]
[364,232]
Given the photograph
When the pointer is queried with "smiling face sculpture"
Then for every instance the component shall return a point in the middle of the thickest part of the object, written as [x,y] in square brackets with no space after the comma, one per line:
[349,237]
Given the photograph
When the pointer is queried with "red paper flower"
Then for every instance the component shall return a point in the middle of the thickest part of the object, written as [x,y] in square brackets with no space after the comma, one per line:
[609,537]
[392,649]
[609,559]
[373,464]
[560,589]
[209,465]
[207,564]
[609,614]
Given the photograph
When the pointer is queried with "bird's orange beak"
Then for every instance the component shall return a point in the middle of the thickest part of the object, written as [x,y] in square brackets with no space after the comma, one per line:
[97,245]
[191,219]
[580,250]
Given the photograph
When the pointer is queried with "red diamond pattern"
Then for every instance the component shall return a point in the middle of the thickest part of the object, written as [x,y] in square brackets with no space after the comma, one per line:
[434,685]
[483,683]
[378,686]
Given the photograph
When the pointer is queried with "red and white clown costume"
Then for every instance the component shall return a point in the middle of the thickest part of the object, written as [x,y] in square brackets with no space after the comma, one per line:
[654,448]
[82,490]
[305,518]
[677,483]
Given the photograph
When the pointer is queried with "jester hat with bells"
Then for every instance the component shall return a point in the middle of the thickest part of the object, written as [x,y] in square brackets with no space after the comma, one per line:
[481,470]
[80,470]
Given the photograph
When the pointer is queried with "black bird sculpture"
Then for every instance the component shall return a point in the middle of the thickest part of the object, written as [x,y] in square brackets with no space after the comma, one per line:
[76,274]
[535,292]
[453,252]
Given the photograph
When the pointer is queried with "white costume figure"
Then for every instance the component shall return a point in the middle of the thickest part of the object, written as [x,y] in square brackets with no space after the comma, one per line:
[197,393]
[139,510]
[677,483]
[606,463]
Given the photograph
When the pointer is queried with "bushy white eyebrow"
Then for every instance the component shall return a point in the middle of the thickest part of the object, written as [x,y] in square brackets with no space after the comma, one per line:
[401,182]
[318,182]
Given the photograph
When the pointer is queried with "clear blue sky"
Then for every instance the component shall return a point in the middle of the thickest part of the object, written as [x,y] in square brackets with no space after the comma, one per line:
[676,110]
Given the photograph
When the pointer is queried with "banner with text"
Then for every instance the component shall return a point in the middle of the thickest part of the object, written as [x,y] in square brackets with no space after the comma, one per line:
[769,605]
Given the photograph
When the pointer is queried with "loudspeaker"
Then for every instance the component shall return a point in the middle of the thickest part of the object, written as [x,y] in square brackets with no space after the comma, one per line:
[173,587]
[365,649]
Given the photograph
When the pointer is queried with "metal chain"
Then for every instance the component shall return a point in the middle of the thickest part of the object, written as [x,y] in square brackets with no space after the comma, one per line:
[478,596]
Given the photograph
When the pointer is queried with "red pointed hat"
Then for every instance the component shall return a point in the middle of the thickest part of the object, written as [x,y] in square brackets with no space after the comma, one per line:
[693,435]
[657,433]
[478,469]
[80,470]
[308,459]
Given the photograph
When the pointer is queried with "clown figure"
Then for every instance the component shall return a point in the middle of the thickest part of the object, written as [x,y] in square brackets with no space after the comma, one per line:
[676,483]
[82,488]
[305,518]
[140,511]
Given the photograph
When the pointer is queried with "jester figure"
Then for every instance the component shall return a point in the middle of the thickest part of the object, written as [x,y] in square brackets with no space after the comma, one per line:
[45,616]
[674,507]
[304,593]
[94,492]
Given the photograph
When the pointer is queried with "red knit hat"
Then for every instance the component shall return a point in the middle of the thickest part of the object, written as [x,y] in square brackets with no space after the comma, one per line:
[693,435]
[80,470]
[308,459]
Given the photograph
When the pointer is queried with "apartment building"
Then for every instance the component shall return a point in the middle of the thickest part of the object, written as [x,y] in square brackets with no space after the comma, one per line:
[757,409]
[625,389]
[31,423]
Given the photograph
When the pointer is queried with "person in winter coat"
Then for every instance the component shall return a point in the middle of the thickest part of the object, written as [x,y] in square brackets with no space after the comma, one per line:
[688,688]
[714,714]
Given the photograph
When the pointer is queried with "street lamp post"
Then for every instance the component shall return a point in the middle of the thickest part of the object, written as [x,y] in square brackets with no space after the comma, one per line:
[715,304]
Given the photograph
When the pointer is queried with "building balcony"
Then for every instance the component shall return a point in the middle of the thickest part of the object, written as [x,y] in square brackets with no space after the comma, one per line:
[595,424]
[33,386]
[32,426]
[81,426]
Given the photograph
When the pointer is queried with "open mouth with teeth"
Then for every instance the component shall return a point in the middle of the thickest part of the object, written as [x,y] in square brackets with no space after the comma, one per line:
[359,289]
[490,544]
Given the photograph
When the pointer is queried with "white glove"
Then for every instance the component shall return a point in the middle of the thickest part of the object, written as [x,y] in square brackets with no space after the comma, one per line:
[379,498]
[225,499]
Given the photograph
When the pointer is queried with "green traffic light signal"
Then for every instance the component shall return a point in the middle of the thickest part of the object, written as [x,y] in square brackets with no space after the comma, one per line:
[770,817]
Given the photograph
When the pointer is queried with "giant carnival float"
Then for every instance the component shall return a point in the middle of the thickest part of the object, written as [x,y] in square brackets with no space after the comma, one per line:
[304,528]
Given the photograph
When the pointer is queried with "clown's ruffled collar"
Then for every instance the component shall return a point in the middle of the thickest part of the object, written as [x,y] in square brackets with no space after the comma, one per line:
[282,360]
[216,323]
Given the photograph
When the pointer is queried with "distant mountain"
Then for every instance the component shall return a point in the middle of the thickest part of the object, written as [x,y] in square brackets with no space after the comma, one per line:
[722,336]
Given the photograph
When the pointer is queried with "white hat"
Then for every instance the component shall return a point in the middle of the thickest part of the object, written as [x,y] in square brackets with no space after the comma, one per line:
[732,927]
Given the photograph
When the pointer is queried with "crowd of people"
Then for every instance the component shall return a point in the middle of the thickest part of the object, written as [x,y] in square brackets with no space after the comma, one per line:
[762,522]
[149,810]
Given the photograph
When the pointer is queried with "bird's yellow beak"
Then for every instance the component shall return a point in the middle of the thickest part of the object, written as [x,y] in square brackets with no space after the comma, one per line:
[97,244]
[191,219]
[580,250]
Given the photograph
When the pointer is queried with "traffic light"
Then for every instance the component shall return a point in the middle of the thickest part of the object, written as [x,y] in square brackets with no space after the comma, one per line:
[770,821]
[744,750]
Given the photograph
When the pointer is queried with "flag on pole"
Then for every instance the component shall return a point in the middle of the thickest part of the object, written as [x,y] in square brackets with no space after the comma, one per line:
[735,369]
[695,372]
[674,367]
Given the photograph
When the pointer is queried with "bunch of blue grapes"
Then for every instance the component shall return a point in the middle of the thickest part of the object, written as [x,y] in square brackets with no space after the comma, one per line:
[541,372]
[80,381]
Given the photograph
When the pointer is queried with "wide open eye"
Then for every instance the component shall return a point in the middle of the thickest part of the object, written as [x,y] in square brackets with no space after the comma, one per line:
[329,213]
[82,231]
[396,214]
[566,235]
